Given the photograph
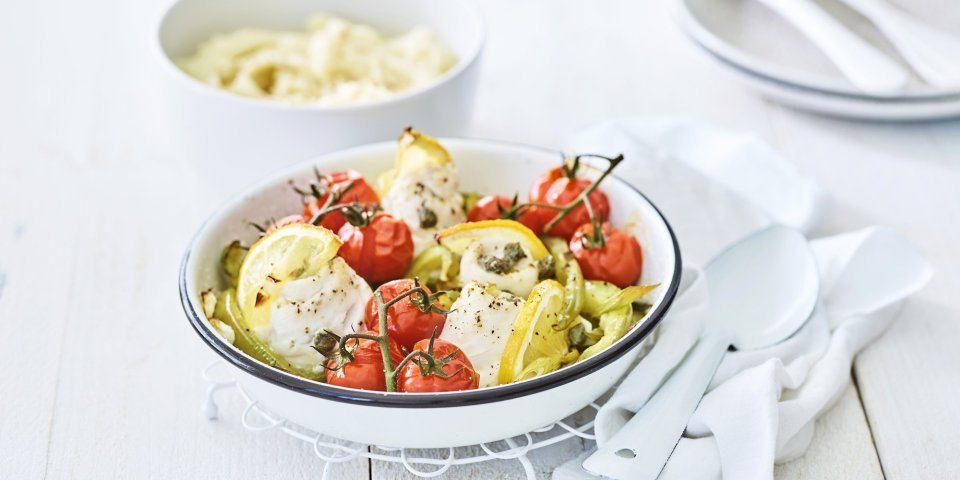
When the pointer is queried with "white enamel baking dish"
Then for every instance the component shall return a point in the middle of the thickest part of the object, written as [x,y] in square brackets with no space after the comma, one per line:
[437,419]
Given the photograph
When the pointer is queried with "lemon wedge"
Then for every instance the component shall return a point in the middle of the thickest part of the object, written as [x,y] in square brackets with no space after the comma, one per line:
[458,237]
[288,253]
[535,347]
[415,152]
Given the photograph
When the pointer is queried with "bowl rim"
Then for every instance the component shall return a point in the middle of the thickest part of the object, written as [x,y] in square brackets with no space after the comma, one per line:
[325,391]
[463,64]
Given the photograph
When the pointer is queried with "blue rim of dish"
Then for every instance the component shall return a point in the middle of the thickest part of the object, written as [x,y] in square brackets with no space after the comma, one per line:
[565,375]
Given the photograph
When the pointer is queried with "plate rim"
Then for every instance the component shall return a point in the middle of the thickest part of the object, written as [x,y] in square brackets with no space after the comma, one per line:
[844,106]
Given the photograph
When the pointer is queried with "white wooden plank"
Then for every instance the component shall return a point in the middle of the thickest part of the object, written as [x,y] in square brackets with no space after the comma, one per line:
[36,281]
[841,446]
[41,209]
[129,396]
[913,382]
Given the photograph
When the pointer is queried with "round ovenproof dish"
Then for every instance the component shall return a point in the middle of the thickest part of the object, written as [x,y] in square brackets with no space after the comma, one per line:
[416,412]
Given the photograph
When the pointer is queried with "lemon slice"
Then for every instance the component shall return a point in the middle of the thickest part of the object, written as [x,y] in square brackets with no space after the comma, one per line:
[458,237]
[535,347]
[414,152]
[288,253]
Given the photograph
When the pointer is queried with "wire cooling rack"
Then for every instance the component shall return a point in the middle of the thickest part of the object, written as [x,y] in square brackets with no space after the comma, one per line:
[333,451]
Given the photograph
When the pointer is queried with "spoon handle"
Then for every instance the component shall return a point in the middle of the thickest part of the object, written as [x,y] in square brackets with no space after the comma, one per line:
[640,449]
[866,67]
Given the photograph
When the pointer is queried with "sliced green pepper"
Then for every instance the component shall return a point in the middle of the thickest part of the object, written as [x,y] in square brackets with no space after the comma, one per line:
[614,325]
[447,298]
[232,259]
[228,312]
[436,267]
[545,365]
[613,308]
[469,200]
[570,275]
[583,334]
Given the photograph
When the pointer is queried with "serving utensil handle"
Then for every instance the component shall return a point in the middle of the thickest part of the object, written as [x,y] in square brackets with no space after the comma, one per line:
[932,53]
[869,69]
[640,449]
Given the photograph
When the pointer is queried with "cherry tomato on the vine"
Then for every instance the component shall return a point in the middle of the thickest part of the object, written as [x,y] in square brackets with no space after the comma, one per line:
[366,370]
[406,323]
[359,191]
[555,188]
[493,207]
[543,183]
[379,251]
[458,372]
[618,261]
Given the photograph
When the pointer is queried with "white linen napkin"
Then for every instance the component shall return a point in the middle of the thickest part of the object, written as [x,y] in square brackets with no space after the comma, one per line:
[762,404]
[741,162]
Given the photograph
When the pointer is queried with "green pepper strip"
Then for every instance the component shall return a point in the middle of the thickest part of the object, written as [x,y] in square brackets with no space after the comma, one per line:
[614,308]
[227,311]
[568,273]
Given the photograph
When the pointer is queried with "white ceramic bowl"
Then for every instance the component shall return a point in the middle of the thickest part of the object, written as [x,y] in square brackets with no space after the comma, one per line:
[435,419]
[237,140]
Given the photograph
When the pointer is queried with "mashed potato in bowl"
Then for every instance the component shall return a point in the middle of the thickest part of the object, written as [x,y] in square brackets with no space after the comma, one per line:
[334,62]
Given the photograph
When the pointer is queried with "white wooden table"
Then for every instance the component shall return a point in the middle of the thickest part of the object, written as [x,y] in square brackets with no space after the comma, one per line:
[99,377]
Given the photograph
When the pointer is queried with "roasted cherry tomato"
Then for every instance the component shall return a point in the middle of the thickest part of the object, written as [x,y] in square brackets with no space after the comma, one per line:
[365,371]
[283,222]
[555,188]
[619,260]
[379,251]
[359,191]
[406,323]
[493,207]
[450,361]
[543,183]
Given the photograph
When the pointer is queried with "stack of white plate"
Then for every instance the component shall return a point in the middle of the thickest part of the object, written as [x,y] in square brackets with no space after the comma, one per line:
[771,56]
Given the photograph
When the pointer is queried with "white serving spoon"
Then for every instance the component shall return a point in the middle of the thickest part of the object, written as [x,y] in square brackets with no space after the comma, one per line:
[867,68]
[933,54]
[762,290]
